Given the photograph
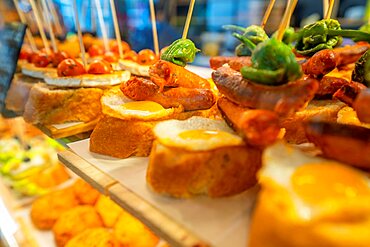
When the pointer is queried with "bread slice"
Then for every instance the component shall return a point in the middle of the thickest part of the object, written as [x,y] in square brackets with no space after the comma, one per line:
[122,133]
[18,92]
[325,110]
[220,172]
[50,105]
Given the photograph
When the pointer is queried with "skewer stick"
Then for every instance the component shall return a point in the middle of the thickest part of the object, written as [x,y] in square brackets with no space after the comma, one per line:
[330,9]
[325,7]
[188,19]
[58,26]
[48,22]
[102,25]
[79,33]
[40,27]
[154,27]
[286,18]
[267,13]
[28,32]
[116,28]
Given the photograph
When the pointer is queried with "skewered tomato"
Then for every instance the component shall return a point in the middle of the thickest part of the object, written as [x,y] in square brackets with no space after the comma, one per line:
[130,55]
[41,60]
[70,67]
[146,57]
[100,67]
[31,57]
[59,57]
[95,50]
[25,53]
[110,57]
[114,47]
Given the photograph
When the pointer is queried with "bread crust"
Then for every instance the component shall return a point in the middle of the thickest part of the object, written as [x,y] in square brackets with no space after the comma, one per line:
[220,172]
[50,105]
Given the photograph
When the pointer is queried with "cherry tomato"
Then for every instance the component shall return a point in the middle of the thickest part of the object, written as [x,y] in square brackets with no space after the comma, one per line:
[70,67]
[130,55]
[100,67]
[31,57]
[95,50]
[41,60]
[59,57]
[110,57]
[114,47]
[25,53]
[146,57]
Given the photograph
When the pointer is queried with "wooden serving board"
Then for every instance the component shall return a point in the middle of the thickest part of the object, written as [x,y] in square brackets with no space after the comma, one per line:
[80,129]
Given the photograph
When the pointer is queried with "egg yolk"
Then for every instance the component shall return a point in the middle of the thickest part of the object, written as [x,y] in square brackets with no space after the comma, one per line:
[203,134]
[328,181]
[148,106]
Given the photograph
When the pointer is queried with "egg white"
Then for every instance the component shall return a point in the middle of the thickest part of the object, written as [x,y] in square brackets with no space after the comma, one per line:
[168,133]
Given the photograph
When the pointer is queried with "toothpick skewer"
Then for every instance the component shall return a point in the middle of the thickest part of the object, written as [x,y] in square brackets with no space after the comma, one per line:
[58,26]
[48,22]
[325,7]
[267,13]
[40,27]
[154,27]
[116,28]
[330,9]
[102,25]
[188,19]
[286,18]
[28,32]
[79,33]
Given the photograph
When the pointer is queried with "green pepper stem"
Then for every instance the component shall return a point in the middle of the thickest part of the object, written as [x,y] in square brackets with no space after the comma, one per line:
[358,35]
[248,43]
[234,28]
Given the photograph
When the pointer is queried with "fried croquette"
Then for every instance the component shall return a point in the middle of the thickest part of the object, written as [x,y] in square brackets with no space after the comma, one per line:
[94,237]
[108,210]
[131,232]
[75,221]
[85,193]
[46,209]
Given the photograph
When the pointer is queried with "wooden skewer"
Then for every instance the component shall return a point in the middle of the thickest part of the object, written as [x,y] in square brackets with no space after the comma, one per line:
[116,28]
[40,27]
[188,19]
[286,18]
[330,9]
[79,33]
[154,27]
[102,25]
[325,7]
[267,13]
[48,22]
[28,32]
[58,26]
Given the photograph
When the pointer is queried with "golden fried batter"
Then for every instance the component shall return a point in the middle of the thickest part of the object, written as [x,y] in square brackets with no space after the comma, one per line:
[131,232]
[108,210]
[46,209]
[85,193]
[94,237]
[75,221]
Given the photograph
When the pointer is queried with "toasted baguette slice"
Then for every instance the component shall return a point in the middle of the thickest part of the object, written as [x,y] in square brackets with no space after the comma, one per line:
[18,92]
[31,70]
[326,110]
[200,156]
[87,80]
[49,105]
[219,172]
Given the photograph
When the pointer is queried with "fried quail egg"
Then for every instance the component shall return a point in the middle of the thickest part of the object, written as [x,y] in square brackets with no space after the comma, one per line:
[310,201]
[116,104]
[196,134]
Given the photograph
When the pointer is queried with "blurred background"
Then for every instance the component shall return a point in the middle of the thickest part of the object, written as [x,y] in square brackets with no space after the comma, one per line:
[206,27]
